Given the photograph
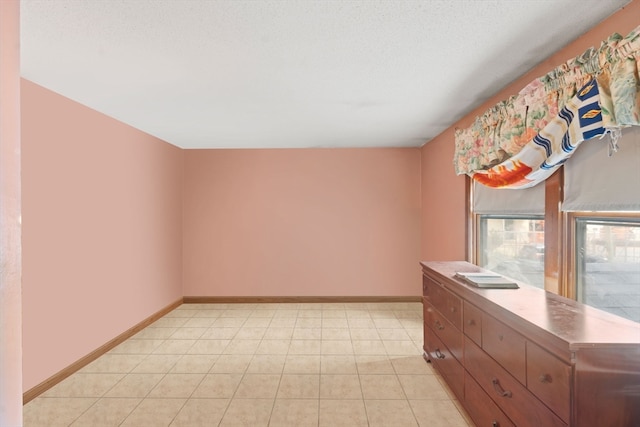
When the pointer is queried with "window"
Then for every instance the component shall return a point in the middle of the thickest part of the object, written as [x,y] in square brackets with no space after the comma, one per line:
[512,246]
[590,209]
[607,270]
[509,237]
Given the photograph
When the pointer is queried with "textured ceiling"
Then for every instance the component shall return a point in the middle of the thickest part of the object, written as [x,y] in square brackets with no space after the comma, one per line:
[279,74]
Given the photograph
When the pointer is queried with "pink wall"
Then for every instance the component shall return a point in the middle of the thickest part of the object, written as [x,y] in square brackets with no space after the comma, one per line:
[443,194]
[101,229]
[313,222]
[10,289]
[443,202]
[105,229]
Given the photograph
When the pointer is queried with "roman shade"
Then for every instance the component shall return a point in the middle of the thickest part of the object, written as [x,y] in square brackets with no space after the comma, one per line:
[597,180]
[495,201]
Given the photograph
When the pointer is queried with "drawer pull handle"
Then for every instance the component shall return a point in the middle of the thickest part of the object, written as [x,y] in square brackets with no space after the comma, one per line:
[453,309]
[498,388]
[439,325]
[500,337]
[471,322]
[545,378]
[439,354]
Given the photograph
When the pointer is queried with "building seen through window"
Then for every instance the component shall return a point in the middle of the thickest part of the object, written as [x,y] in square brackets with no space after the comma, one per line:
[513,247]
[608,265]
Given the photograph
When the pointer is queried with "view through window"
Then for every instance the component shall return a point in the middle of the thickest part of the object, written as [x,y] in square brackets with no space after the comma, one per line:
[608,265]
[513,246]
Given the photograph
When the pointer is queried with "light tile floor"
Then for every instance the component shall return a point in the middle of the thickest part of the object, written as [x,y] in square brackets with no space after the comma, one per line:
[351,364]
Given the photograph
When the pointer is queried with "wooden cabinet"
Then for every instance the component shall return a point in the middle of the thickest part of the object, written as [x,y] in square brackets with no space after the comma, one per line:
[526,357]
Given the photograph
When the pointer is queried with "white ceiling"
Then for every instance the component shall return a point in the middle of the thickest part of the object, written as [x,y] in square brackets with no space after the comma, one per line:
[280,74]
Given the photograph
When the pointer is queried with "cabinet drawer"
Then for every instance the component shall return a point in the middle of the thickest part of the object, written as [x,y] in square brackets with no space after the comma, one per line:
[425,316]
[505,345]
[482,409]
[426,285]
[549,378]
[518,403]
[449,304]
[472,317]
[448,334]
[445,363]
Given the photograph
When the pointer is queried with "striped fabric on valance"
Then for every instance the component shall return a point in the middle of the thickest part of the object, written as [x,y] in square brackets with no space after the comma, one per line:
[521,141]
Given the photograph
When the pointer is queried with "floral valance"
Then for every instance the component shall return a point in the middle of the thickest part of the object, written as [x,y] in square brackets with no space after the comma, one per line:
[524,139]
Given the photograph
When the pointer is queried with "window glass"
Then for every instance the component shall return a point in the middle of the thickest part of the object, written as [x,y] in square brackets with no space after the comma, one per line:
[608,265]
[513,246]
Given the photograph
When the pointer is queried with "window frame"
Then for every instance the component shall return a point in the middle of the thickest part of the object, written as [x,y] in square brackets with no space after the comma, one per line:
[559,235]
[571,250]
[479,229]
